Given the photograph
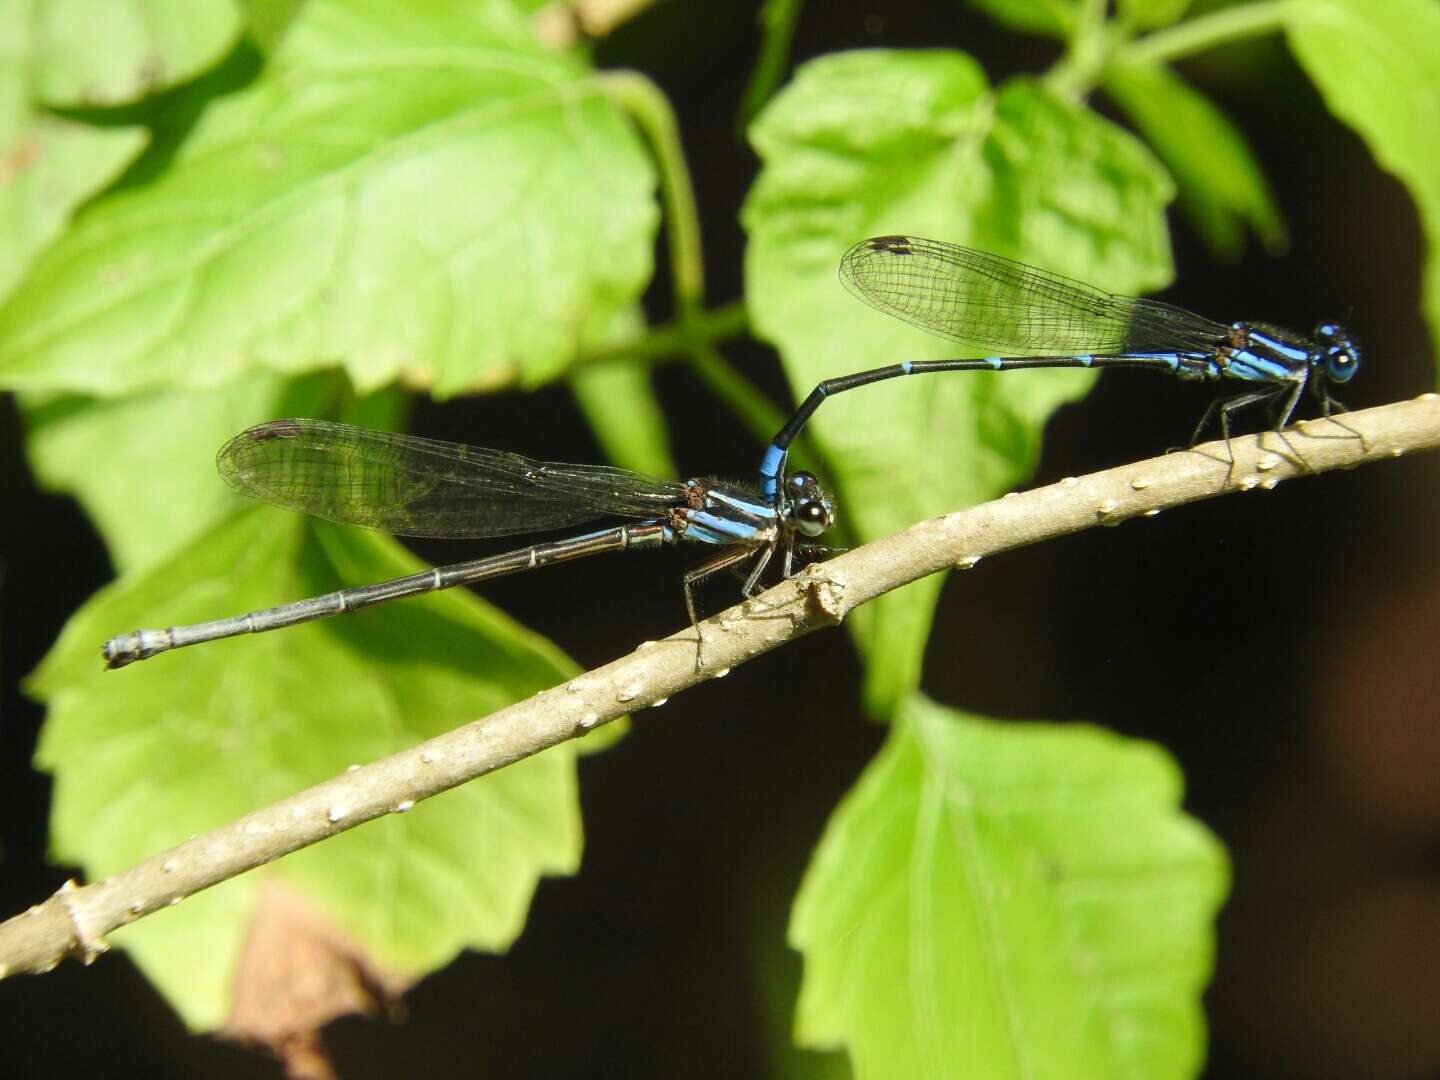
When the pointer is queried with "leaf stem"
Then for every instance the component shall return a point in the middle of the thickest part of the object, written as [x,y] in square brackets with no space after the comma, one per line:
[648,106]
[778,19]
[1079,69]
[1208,31]
[693,333]
[703,327]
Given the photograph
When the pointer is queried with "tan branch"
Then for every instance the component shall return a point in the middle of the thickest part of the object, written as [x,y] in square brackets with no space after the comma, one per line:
[75,921]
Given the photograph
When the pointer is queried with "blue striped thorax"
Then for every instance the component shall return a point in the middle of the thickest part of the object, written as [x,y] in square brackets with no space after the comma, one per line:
[722,513]
[1262,352]
[726,513]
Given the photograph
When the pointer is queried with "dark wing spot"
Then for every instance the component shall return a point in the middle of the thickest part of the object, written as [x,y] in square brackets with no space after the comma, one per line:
[895,245]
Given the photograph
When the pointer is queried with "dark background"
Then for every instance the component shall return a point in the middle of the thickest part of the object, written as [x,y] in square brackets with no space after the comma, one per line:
[1281,644]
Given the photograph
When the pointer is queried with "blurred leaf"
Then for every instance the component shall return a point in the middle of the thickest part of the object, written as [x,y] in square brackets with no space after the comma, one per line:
[1378,66]
[872,143]
[1149,14]
[144,757]
[48,166]
[143,467]
[1051,18]
[414,190]
[1010,900]
[620,404]
[1222,188]
[117,51]
[601,17]
[777,30]
[1074,193]
[268,20]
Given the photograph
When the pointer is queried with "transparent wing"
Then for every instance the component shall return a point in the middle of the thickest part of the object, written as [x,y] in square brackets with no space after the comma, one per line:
[981,299]
[423,487]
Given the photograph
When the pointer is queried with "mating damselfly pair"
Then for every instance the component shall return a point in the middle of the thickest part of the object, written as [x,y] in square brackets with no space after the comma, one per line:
[423,488]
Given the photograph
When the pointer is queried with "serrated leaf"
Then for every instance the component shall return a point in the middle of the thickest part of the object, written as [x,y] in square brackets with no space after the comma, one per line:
[1222,188]
[48,165]
[143,467]
[871,143]
[1052,18]
[417,191]
[1010,900]
[144,757]
[121,50]
[1378,66]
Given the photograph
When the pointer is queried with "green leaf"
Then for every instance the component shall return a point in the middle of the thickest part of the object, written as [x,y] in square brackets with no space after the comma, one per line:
[143,467]
[268,20]
[1222,188]
[118,51]
[1051,18]
[416,190]
[1377,66]
[621,406]
[1010,900]
[48,166]
[144,757]
[1149,14]
[870,143]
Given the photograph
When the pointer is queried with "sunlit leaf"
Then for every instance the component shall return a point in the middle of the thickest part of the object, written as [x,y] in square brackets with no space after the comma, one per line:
[143,467]
[416,190]
[146,756]
[1010,900]
[120,50]
[267,20]
[48,165]
[1378,66]
[873,143]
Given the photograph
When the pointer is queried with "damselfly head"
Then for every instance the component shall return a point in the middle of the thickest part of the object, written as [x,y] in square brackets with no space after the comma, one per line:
[1339,355]
[807,508]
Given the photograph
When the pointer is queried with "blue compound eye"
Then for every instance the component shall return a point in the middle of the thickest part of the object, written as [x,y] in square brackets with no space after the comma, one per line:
[1340,365]
[1339,355]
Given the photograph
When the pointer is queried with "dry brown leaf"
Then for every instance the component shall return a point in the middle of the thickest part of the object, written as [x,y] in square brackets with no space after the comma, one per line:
[297,972]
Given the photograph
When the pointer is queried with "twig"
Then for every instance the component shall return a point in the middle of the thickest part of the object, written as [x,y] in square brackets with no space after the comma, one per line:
[1209,31]
[75,921]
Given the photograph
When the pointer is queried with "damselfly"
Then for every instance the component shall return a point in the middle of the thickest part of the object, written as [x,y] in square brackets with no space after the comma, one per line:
[420,487]
[1042,320]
